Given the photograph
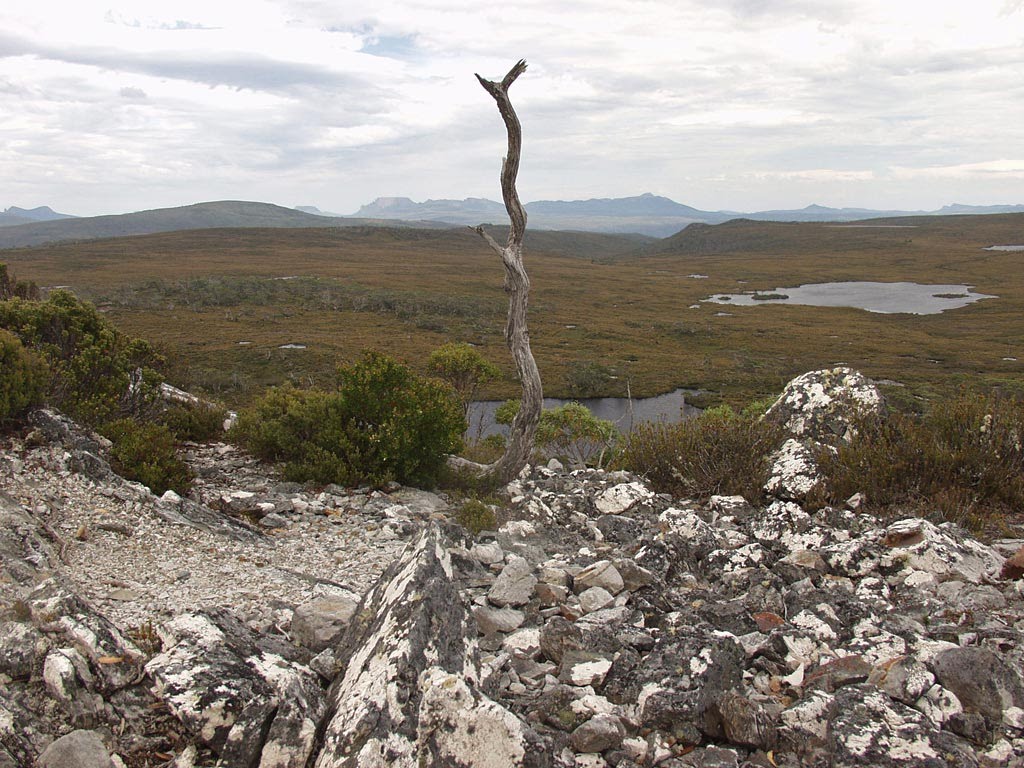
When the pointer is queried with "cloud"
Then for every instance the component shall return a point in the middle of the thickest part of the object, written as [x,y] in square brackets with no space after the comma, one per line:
[743,102]
[1005,168]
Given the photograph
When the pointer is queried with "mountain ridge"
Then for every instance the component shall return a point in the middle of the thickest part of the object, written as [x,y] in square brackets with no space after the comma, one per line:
[648,215]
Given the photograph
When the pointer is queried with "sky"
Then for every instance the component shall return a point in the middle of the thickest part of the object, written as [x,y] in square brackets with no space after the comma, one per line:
[110,106]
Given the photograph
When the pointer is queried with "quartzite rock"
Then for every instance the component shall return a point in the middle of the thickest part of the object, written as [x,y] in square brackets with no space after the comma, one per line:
[825,405]
[981,680]
[319,623]
[248,705]
[514,585]
[78,749]
[394,707]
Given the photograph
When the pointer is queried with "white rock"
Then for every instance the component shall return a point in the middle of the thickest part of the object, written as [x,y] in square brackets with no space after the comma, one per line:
[619,498]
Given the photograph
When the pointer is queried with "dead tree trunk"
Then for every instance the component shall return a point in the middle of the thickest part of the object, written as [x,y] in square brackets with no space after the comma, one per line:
[517,286]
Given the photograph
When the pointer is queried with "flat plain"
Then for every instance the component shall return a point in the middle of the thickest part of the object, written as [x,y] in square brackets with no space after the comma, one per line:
[619,311]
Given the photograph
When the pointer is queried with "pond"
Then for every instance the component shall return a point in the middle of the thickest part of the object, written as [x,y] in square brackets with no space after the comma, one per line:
[886,298]
[1005,248]
[621,411]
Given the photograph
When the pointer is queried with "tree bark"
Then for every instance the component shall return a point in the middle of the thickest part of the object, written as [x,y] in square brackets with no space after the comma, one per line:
[517,286]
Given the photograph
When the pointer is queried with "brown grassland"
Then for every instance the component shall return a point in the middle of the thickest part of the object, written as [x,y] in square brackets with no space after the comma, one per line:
[198,294]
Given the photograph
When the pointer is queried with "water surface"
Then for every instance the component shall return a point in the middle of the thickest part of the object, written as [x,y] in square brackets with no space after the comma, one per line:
[886,298]
[622,412]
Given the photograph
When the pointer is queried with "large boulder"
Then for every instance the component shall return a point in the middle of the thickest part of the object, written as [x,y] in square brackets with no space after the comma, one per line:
[825,405]
[249,705]
[410,693]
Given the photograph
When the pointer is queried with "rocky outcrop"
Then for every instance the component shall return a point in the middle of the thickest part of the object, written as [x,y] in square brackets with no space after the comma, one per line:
[825,405]
[410,694]
[603,625]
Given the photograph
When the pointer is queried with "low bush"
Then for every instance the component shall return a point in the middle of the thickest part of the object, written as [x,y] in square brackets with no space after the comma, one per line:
[464,368]
[196,422]
[569,433]
[22,377]
[717,452]
[97,374]
[146,453]
[476,516]
[382,423]
[963,459]
[585,378]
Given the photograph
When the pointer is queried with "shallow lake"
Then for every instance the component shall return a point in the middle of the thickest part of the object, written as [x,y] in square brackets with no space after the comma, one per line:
[887,298]
[622,412]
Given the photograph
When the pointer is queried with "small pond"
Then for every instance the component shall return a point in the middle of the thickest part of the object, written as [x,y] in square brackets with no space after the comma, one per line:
[886,298]
[1005,248]
[621,411]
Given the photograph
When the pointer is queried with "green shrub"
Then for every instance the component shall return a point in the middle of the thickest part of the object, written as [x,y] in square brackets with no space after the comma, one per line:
[145,452]
[382,423]
[11,288]
[963,459]
[570,433]
[22,377]
[196,422]
[464,368]
[585,378]
[475,516]
[717,452]
[97,374]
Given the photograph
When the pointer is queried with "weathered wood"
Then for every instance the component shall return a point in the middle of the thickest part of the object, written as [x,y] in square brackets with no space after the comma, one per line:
[517,286]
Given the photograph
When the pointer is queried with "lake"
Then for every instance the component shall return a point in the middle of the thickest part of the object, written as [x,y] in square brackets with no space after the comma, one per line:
[622,412]
[886,298]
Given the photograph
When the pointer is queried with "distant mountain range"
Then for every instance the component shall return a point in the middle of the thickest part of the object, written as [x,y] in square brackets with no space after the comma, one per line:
[215,215]
[648,215]
[15,215]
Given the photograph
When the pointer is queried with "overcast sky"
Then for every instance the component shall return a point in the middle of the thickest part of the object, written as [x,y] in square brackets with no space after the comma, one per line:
[111,106]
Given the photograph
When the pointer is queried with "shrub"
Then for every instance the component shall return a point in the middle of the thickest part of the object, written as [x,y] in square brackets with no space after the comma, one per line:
[718,452]
[963,459]
[97,374]
[11,288]
[145,452]
[196,422]
[570,433]
[586,378]
[382,423]
[464,368]
[476,516]
[22,377]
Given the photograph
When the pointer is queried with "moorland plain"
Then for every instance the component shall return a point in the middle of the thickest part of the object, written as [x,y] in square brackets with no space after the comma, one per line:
[612,310]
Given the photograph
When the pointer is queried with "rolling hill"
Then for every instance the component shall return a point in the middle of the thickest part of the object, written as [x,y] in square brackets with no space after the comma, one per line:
[213,215]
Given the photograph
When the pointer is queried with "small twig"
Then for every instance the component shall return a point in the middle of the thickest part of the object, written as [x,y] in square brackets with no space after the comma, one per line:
[62,546]
[488,239]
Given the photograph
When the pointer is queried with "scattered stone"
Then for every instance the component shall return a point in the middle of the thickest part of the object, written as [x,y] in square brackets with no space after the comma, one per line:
[1013,568]
[557,637]
[604,626]
[78,749]
[514,585]
[981,681]
[319,623]
[600,574]
[491,620]
[584,668]
[595,598]
[825,405]
[599,733]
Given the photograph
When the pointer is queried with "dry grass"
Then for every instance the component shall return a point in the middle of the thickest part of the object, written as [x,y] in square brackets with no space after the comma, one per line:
[629,314]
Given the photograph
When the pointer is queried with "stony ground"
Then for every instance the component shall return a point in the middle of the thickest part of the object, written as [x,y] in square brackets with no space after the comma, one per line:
[260,623]
[119,553]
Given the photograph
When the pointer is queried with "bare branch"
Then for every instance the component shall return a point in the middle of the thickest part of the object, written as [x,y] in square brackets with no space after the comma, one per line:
[517,285]
[487,238]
